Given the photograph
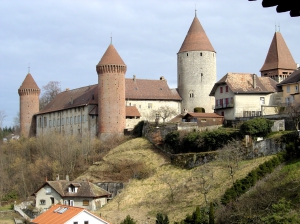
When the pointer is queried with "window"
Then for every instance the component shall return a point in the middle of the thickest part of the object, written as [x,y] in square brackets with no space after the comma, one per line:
[71,120]
[252,113]
[221,102]
[50,123]
[42,202]
[217,102]
[191,95]
[149,105]
[86,222]
[53,122]
[288,89]
[74,119]
[226,89]
[85,202]
[296,89]
[67,120]
[71,202]
[201,54]
[78,119]
[48,190]
[58,123]
[226,101]
[75,222]
[62,121]
[221,89]
[45,122]
[82,119]
[262,100]
[40,122]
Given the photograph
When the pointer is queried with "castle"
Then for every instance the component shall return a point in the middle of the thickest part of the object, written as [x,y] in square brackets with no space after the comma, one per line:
[117,103]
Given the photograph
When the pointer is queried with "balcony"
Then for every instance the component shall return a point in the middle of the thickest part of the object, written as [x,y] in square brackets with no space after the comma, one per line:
[223,106]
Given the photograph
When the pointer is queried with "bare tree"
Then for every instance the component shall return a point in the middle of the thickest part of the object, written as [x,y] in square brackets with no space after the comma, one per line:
[293,112]
[231,154]
[164,112]
[2,116]
[49,92]
[17,123]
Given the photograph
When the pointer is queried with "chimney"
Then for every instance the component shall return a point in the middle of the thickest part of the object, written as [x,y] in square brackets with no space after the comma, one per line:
[67,178]
[134,78]
[162,78]
[57,177]
[254,81]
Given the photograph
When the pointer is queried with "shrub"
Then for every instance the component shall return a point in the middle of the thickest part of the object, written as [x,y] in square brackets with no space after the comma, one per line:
[128,220]
[138,129]
[173,141]
[258,127]
[199,110]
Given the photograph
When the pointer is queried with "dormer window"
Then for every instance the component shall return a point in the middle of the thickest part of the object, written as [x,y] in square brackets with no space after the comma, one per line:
[73,188]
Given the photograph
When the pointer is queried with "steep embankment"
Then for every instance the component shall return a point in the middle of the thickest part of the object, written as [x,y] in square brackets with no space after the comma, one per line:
[153,185]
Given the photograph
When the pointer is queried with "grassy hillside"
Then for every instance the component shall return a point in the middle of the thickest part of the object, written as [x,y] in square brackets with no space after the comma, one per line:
[153,185]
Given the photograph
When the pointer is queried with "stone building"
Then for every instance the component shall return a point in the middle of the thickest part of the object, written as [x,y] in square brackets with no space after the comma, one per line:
[196,69]
[117,103]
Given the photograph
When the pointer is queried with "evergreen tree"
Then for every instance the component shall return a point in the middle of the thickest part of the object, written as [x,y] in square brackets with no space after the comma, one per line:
[162,219]
[211,214]
[128,220]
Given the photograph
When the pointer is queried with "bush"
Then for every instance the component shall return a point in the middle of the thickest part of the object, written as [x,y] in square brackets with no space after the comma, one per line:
[173,141]
[128,220]
[199,110]
[257,127]
[138,129]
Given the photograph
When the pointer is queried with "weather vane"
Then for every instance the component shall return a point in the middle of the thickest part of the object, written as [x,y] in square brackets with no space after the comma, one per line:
[29,68]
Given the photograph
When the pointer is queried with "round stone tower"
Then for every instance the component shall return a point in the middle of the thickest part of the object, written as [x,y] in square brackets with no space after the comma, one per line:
[111,89]
[29,105]
[196,69]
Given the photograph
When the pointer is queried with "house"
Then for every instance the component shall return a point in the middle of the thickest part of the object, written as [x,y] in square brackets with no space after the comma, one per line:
[64,214]
[290,89]
[82,194]
[204,119]
[245,95]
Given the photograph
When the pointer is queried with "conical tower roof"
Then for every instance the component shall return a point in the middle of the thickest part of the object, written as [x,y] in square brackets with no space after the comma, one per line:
[29,83]
[196,39]
[279,55]
[111,57]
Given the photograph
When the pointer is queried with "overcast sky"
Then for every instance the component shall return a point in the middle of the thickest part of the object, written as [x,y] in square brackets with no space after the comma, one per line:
[64,40]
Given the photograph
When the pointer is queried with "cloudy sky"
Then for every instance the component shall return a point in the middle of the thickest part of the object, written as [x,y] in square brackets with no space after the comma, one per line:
[64,40]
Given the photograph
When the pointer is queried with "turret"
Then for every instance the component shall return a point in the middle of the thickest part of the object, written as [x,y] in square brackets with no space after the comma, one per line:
[111,89]
[196,69]
[29,105]
[279,63]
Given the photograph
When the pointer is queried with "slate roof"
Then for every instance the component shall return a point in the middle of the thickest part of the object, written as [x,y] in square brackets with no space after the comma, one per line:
[135,89]
[243,83]
[53,215]
[132,111]
[86,189]
[293,78]
[196,39]
[279,55]
[111,57]
[29,83]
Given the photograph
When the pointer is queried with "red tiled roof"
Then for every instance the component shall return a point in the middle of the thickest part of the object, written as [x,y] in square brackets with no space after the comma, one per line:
[138,89]
[196,39]
[143,89]
[204,115]
[279,55]
[111,56]
[132,111]
[52,215]
[29,83]
[243,83]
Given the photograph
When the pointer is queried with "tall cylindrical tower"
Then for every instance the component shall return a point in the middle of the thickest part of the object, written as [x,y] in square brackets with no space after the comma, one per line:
[196,69]
[111,89]
[29,105]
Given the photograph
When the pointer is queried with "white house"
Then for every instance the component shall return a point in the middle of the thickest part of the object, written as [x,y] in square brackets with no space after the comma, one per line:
[81,194]
[245,95]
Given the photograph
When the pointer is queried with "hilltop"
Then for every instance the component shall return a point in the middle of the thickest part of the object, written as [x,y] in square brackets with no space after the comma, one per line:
[154,185]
